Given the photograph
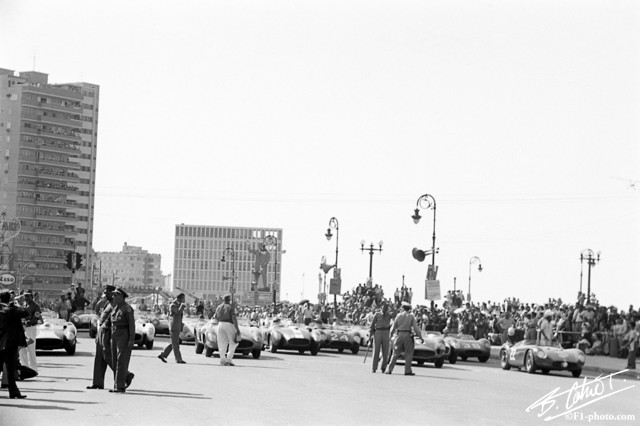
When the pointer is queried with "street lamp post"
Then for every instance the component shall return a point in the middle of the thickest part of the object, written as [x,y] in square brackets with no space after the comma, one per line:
[333,224]
[472,261]
[232,253]
[371,251]
[427,201]
[591,258]
[272,241]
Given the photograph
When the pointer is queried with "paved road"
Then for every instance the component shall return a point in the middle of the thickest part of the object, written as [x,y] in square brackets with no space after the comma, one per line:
[287,388]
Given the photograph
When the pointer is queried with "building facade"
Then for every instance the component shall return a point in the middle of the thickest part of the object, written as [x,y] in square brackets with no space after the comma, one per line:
[133,268]
[48,141]
[199,268]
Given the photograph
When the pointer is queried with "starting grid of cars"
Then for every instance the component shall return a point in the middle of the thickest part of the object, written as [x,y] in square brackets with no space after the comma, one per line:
[284,335]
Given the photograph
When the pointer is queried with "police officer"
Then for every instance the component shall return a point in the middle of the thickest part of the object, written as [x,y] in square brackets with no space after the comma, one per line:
[404,325]
[123,331]
[379,332]
[28,354]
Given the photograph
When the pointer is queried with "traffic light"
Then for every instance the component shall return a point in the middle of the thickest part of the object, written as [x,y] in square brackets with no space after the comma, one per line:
[253,286]
[70,260]
[78,261]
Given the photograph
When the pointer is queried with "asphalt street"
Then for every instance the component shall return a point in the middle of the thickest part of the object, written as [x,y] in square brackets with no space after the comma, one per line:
[330,388]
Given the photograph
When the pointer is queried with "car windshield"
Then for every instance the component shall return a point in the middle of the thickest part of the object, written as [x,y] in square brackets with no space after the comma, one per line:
[465,337]
[431,334]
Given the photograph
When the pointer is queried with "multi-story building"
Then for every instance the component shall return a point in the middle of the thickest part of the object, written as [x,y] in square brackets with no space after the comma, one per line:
[48,141]
[133,268]
[198,268]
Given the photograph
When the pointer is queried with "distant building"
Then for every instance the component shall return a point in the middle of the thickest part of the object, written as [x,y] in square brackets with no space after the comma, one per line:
[199,271]
[48,142]
[133,268]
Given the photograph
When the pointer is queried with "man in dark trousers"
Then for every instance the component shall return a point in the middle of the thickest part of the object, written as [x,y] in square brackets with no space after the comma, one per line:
[175,327]
[103,356]
[379,332]
[11,338]
[123,332]
[404,325]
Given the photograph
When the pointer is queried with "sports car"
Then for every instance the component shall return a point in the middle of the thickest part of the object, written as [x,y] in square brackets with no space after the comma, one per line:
[189,326]
[251,343]
[465,346]
[56,333]
[145,333]
[160,322]
[86,319]
[364,334]
[433,349]
[337,336]
[531,356]
[286,335]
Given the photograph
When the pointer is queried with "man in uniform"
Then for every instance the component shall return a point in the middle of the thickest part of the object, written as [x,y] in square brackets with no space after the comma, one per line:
[28,354]
[11,337]
[404,325]
[175,327]
[123,331]
[379,331]
[103,357]
[228,331]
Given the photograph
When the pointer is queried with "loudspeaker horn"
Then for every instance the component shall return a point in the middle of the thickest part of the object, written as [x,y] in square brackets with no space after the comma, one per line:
[326,268]
[418,254]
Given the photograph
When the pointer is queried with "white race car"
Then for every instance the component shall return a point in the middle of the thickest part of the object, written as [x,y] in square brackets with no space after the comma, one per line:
[56,333]
[145,333]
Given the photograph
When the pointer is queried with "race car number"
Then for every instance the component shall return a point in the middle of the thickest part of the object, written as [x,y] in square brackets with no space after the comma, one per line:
[512,354]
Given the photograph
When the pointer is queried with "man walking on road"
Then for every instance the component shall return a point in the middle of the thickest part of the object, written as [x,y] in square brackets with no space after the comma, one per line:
[228,331]
[379,332]
[175,327]
[404,324]
[123,331]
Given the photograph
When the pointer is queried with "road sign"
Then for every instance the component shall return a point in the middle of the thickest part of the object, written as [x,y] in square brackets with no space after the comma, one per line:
[7,279]
[30,268]
[432,290]
[335,285]
[432,272]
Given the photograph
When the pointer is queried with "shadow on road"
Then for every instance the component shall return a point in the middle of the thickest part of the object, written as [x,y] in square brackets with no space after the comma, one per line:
[161,394]
[36,407]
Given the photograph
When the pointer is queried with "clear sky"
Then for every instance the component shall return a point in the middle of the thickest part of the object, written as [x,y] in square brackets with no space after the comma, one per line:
[519,117]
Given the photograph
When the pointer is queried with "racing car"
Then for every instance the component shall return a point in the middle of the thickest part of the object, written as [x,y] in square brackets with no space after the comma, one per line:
[337,336]
[189,326]
[252,341]
[86,319]
[286,335]
[465,346]
[532,356]
[160,322]
[56,333]
[145,333]
[432,349]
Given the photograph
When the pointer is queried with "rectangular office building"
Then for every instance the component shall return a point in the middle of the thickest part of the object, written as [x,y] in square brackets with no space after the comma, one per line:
[210,261]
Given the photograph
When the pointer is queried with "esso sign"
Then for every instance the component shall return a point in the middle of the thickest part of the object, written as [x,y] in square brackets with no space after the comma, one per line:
[7,279]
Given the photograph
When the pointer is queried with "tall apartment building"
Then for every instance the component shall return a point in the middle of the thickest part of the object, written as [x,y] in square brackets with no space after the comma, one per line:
[199,271]
[133,268]
[48,143]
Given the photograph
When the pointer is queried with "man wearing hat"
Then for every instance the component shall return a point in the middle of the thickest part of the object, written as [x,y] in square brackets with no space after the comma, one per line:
[228,331]
[175,327]
[34,315]
[123,332]
[404,325]
[379,331]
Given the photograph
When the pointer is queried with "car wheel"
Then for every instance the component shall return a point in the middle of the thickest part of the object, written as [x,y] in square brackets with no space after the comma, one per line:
[545,371]
[314,349]
[70,348]
[355,349]
[504,360]
[420,362]
[273,348]
[148,344]
[576,373]
[439,363]
[463,357]
[256,353]
[453,356]
[301,351]
[93,332]
[208,352]
[340,350]
[199,348]
[483,358]
[529,363]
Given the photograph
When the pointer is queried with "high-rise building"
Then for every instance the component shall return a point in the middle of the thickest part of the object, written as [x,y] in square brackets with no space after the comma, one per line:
[133,268]
[48,141]
[198,268]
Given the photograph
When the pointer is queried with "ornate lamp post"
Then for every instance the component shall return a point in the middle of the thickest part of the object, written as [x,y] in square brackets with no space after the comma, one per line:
[591,258]
[272,241]
[232,253]
[371,251]
[333,224]
[427,201]
[472,261]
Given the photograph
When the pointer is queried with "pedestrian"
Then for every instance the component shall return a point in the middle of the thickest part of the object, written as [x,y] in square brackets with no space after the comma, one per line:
[103,357]
[632,344]
[175,327]
[28,354]
[228,331]
[404,325]
[123,331]
[62,308]
[11,338]
[379,332]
